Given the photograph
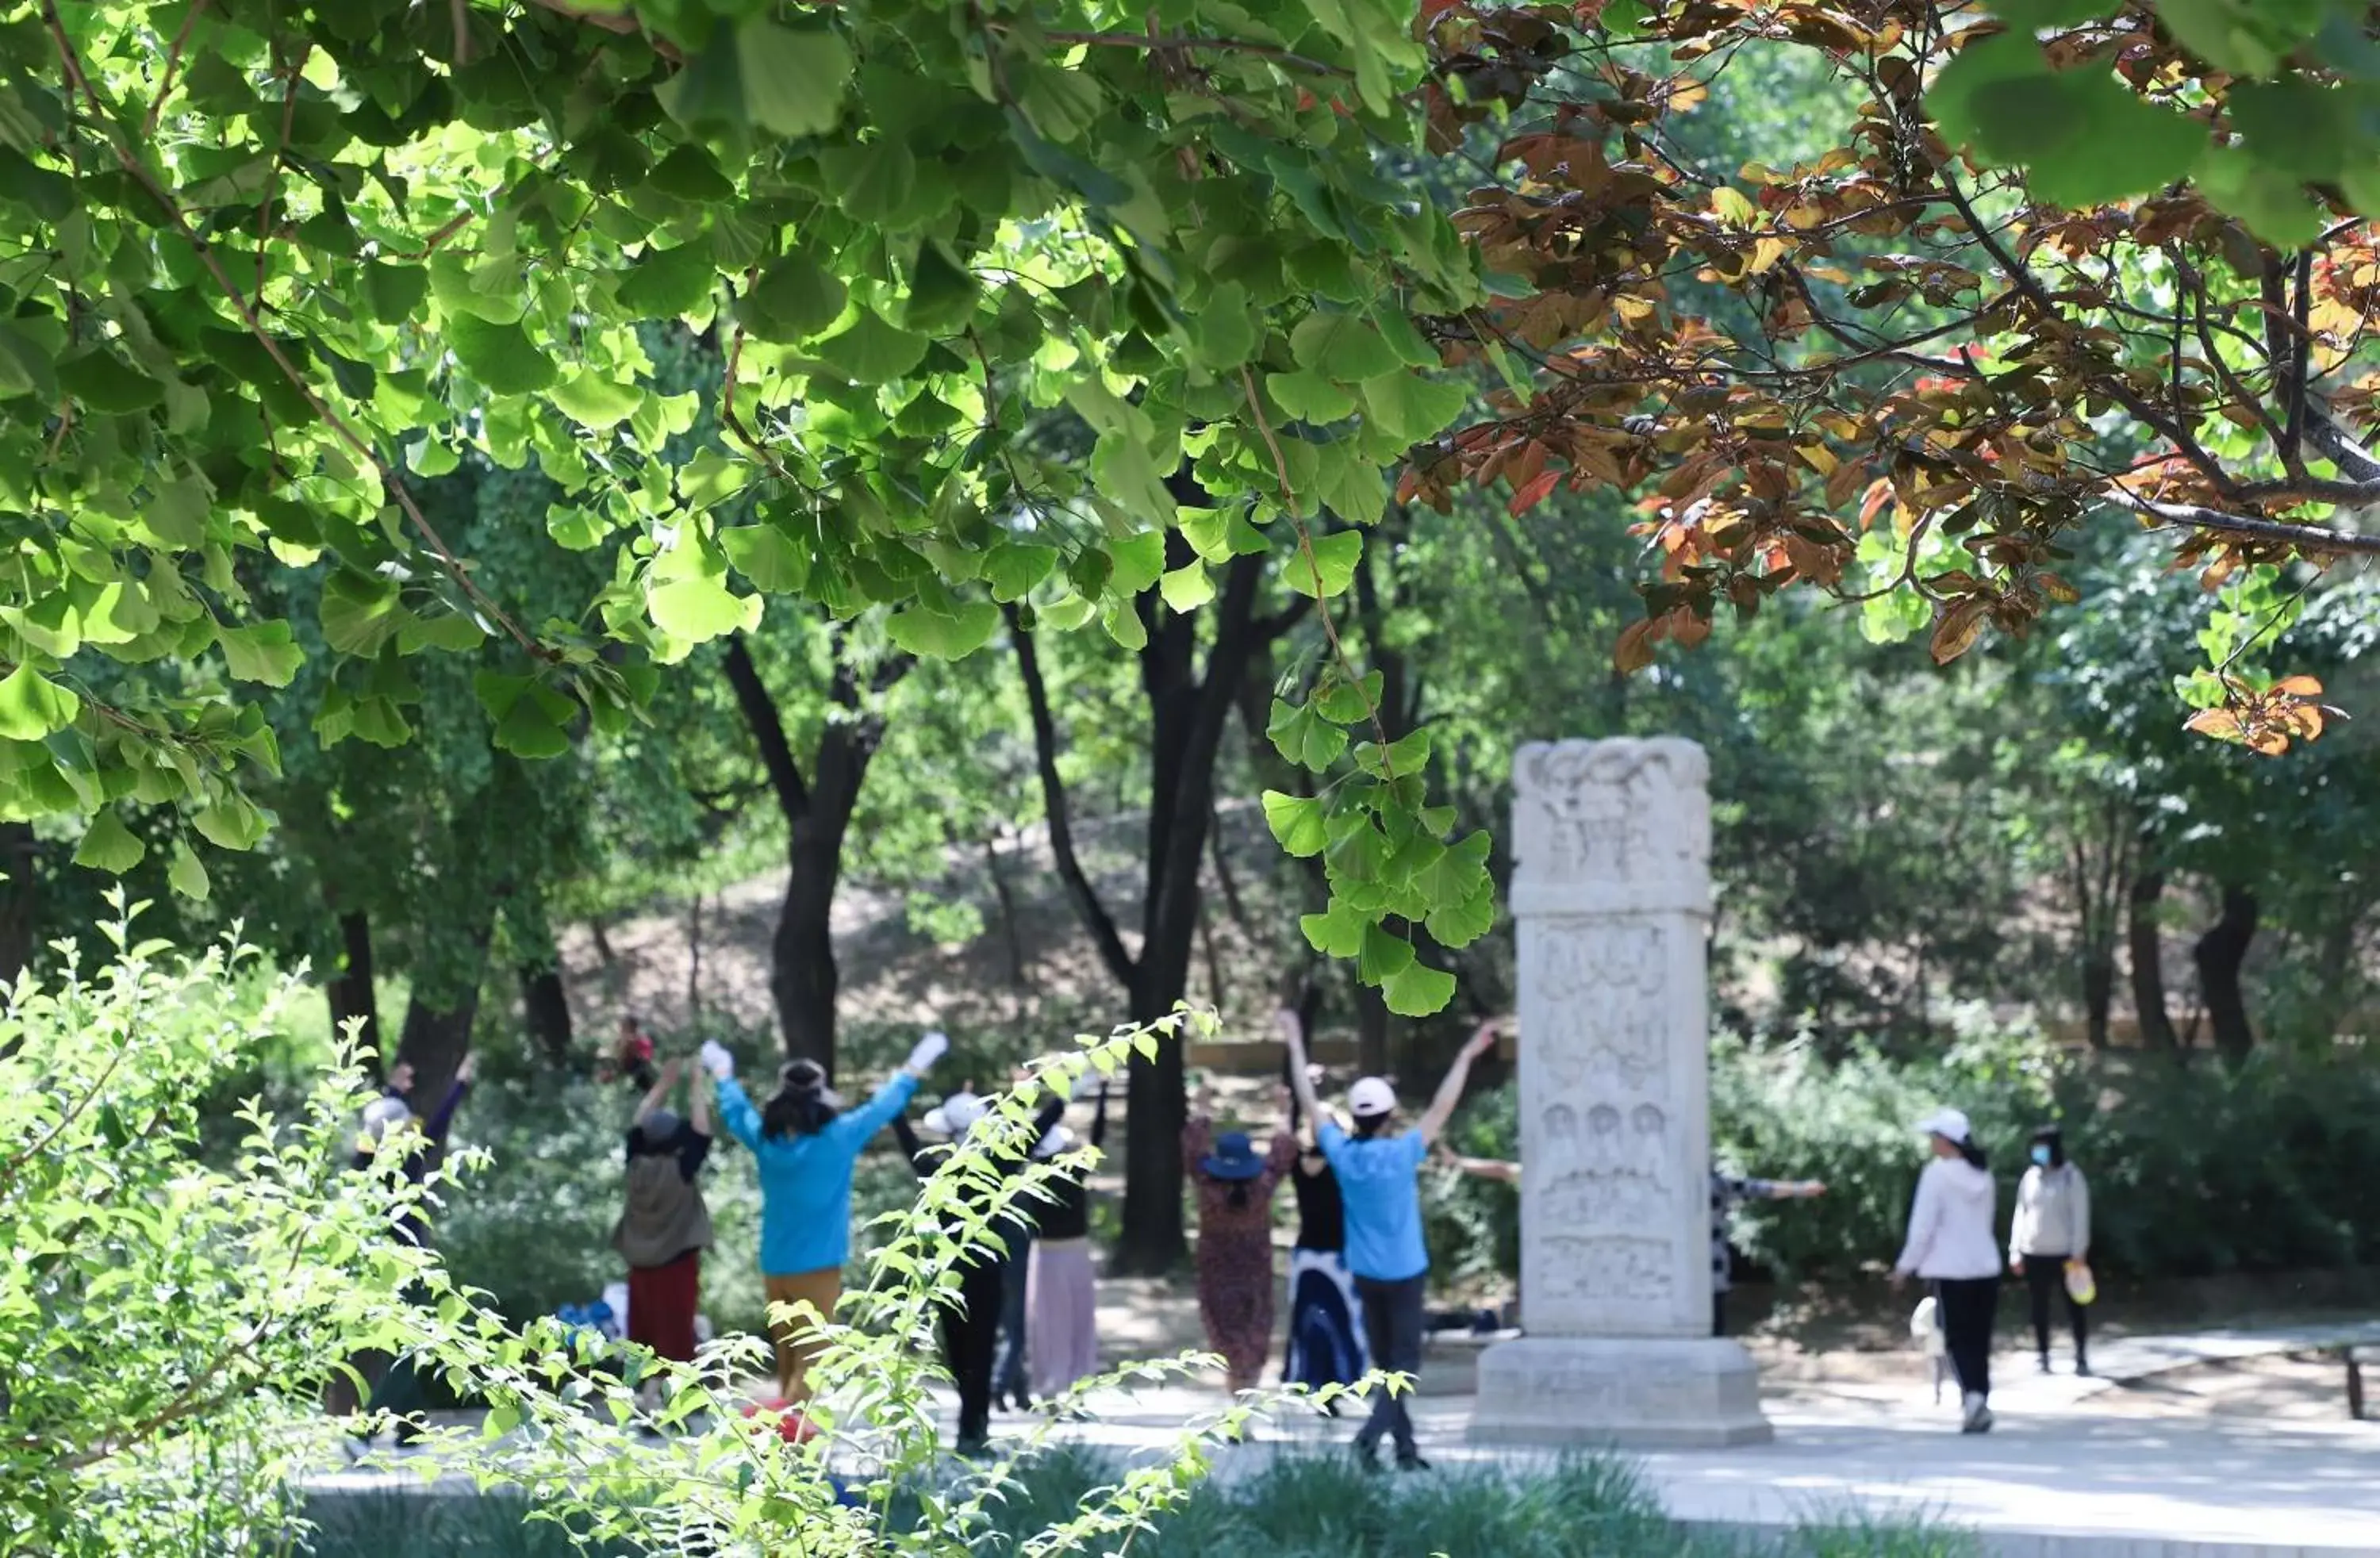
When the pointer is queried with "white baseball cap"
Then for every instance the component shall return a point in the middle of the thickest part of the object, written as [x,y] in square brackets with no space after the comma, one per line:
[956,1115]
[1371,1097]
[1949,1124]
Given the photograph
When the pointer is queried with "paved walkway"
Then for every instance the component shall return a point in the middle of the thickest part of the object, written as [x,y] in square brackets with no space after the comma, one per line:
[2057,1480]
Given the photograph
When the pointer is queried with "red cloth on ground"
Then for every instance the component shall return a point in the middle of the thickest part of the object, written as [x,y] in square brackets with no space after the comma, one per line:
[661,1304]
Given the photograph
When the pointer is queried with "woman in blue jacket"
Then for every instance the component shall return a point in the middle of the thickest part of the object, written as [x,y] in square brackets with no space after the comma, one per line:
[806,1144]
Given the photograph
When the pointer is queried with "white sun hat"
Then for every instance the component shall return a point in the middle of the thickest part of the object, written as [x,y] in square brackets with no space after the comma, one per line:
[1951,1125]
[956,1115]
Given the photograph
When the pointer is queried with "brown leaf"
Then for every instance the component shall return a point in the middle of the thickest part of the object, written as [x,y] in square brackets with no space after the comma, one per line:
[1534,493]
[1956,632]
[2299,686]
[1635,649]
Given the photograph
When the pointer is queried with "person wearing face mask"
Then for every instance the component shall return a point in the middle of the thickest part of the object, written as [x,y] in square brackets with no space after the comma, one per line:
[2052,1229]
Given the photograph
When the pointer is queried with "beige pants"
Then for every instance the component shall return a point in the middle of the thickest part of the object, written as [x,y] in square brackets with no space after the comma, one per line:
[797,1346]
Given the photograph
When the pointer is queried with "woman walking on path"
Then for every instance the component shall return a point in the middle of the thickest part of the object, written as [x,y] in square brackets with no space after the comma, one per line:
[664,1227]
[1326,1318]
[1953,1247]
[1379,1181]
[805,1146]
[1062,1321]
[2052,1228]
[970,1325]
[1235,1188]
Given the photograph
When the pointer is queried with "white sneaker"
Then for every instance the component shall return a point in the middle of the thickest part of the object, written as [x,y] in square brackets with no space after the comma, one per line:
[1979,1415]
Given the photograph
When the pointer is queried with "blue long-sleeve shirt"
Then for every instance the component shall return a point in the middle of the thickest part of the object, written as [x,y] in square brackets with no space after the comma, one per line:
[806,1180]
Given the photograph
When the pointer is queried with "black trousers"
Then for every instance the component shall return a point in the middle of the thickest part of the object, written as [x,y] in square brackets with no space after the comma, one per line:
[2045,1280]
[970,1342]
[1719,1313]
[1392,1325]
[1967,1306]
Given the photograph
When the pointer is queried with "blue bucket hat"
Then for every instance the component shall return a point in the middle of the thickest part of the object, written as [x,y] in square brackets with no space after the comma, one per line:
[1233,1158]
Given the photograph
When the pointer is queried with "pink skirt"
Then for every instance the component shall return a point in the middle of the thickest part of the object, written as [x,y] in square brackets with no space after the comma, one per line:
[1062,1334]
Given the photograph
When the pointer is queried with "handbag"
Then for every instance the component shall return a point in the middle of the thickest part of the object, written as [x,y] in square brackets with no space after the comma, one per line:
[2081,1286]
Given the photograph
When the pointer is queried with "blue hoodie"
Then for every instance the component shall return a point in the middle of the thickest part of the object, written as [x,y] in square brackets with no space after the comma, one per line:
[806,1180]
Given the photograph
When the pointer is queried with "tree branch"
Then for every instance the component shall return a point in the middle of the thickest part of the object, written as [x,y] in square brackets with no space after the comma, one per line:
[2328,435]
[1152,44]
[77,81]
[2305,537]
[768,729]
[1094,913]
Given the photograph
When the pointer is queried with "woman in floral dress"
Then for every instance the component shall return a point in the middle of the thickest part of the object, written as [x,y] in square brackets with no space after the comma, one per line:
[1235,1277]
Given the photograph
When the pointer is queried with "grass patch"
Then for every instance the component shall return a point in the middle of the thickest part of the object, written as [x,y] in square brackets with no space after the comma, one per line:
[1296,1506]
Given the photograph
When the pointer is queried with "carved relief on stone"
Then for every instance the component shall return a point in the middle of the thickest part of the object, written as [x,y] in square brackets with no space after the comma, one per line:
[1605,1269]
[1600,987]
[1611,1171]
[1620,810]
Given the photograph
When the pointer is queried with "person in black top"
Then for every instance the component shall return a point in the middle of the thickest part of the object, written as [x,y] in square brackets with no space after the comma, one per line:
[1061,1304]
[391,1119]
[971,1326]
[1326,1318]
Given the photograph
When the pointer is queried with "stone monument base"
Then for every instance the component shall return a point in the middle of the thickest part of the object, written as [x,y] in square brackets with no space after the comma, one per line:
[1651,1394]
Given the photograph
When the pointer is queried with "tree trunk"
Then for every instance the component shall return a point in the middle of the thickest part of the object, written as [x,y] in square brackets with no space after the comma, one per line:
[352,994]
[1189,707]
[20,897]
[433,1041]
[2220,954]
[802,974]
[803,977]
[1012,934]
[2099,992]
[545,1010]
[2143,936]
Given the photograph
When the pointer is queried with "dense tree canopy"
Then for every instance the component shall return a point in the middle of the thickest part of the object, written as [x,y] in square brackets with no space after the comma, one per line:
[275,263]
[1914,356]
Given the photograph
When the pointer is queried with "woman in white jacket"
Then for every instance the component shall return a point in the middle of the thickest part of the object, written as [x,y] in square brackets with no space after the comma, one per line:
[1954,1247]
[2052,1227]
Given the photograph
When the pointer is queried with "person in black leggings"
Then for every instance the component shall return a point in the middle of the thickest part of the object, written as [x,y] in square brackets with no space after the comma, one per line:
[1954,1246]
[971,1326]
[2051,1229]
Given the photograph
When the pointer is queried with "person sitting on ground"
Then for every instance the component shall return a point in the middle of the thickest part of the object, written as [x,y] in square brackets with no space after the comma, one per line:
[1379,1179]
[1235,1189]
[805,1145]
[390,1119]
[665,1226]
[2052,1229]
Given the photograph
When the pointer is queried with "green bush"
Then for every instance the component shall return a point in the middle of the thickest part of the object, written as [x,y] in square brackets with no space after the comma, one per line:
[170,1309]
[1297,1506]
[2196,1168]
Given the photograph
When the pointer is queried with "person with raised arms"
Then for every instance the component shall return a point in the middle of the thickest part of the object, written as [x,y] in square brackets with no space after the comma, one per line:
[805,1143]
[1380,1180]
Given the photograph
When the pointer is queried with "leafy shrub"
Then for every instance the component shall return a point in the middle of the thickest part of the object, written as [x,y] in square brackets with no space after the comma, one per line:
[2195,1169]
[1298,1505]
[165,1318]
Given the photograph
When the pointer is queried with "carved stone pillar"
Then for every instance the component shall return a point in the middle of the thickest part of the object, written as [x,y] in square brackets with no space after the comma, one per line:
[1611,906]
